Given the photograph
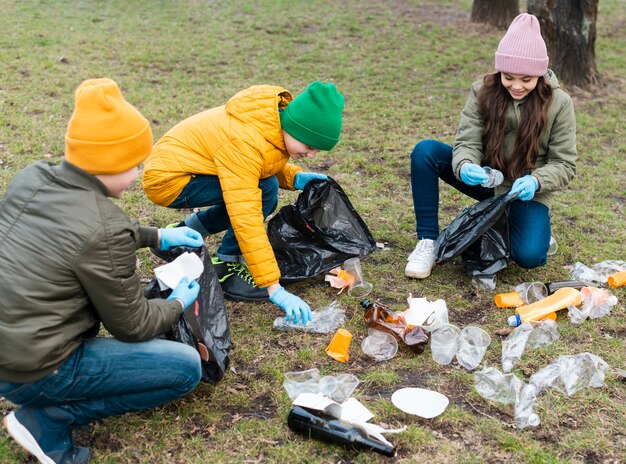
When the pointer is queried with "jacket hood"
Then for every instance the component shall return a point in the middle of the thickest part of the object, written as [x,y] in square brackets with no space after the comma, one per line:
[552,80]
[258,105]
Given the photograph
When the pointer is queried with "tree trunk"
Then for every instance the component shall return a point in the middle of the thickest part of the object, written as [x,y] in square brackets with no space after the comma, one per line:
[569,29]
[499,13]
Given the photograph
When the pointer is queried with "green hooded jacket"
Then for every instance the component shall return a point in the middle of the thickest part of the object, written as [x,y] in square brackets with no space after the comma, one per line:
[556,161]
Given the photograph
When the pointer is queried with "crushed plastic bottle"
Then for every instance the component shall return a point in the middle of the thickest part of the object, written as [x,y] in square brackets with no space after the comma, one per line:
[324,321]
[494,177]
[337,388]
[378,316]
[528,334]
[568,374]
[493,385]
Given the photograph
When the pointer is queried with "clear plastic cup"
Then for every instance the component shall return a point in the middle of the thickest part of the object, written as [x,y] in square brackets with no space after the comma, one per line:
[472,347]
[531,292]
[553,246]
[379,345]
[444,343]
[495,177]
[359,288]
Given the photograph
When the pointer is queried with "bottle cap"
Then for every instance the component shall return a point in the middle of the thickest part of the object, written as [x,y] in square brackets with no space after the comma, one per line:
[514,320]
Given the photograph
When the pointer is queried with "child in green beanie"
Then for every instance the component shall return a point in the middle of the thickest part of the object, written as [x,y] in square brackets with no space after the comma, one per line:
[234,158]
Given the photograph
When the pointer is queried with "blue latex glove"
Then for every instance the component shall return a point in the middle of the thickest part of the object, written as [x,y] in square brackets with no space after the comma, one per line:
[525,187]
[473,174]
[303,178]
[295,307]
[178,236]
[185,292]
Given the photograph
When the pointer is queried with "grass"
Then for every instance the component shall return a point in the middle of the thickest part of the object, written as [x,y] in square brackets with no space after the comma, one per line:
[405,68]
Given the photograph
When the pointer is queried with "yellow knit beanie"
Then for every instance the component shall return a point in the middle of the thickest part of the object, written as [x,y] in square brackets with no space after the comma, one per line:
[106,134]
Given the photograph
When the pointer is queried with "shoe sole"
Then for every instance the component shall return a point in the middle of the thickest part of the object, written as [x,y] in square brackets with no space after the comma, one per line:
[24,438]
[417,275]
[232,297]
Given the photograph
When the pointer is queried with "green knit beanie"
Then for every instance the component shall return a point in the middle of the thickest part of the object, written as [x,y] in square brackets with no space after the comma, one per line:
[314,116]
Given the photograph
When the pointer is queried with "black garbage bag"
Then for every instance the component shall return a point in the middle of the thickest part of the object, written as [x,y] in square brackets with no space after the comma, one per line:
[204,325]
[480,234]
[318,232]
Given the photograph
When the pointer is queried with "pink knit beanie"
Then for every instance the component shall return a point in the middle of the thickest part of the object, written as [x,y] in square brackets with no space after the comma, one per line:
[522,49]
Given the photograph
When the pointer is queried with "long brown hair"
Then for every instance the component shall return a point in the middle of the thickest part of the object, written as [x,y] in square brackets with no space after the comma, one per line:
[493,101]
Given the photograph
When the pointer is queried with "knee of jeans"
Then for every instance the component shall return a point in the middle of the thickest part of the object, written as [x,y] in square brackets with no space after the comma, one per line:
[189,369]
[529,260]
[421,151]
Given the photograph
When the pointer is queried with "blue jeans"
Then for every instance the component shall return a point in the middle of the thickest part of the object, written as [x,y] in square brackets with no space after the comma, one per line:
[206,191]
[529,221]
[107,377]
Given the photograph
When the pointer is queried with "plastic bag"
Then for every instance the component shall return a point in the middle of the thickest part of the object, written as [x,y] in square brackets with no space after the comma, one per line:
[480,234]
[204,325]
[318,232]
[325,320]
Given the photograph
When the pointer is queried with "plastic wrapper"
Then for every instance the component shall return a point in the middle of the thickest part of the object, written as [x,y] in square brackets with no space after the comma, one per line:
[337,388]
[318,232]
[480,234]
[598,273]
[203,325]
[496,386]
[568,374]
[473,344]
[323,321]
[380,346]
[596,303]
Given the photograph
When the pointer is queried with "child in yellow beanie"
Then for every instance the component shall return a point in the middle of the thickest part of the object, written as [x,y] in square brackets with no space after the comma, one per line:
[67,260]
[234,158]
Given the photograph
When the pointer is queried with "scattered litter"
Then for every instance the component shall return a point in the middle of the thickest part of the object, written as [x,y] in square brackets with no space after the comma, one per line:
[339,345]
[338,389]
[473,344]
[379,317]
[323,321]
[425,313]
[596,302]
[420,402]
[532,335]
[444,343]
[381,346]
[560,299]
[598,273]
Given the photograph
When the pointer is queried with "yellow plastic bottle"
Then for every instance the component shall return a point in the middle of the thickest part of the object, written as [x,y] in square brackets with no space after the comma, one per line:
[560,299]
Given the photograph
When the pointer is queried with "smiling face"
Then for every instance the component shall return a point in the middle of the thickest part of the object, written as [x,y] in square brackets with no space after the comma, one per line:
[518,86]
[297,149]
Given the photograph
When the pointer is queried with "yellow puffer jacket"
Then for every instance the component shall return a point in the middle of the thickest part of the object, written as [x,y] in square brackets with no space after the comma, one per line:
[240,143]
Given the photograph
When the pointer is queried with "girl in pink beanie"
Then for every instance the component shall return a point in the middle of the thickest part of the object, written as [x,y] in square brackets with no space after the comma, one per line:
[517,121]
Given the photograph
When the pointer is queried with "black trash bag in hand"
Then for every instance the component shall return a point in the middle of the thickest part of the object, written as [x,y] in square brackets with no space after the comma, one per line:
[203,325]
[318,232]
[481,235]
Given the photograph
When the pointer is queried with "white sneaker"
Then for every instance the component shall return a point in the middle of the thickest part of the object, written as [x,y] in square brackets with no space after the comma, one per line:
[421,260]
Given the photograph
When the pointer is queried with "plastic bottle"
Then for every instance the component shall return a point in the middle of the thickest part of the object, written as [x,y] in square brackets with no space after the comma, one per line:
[560,299]
[379,317]
[332,430]
[617,280]
[494,178]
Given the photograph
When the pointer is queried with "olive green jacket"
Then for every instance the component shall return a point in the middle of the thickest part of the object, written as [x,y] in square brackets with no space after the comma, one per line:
[556,161]
[67,261]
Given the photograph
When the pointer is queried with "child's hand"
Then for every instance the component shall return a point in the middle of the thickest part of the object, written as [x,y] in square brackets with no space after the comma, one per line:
[295,308]
[186,292]
[473,174]
[303,178]
[525,187]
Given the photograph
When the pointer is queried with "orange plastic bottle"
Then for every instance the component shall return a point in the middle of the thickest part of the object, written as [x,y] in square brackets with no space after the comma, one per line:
[560,299]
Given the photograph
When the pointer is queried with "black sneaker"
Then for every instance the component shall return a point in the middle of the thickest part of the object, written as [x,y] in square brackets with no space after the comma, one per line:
[237,283]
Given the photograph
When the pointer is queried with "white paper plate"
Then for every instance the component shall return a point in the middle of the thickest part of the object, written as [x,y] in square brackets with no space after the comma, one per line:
[420,402]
